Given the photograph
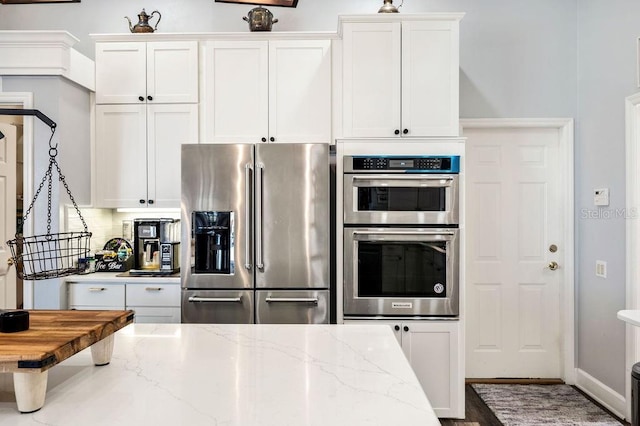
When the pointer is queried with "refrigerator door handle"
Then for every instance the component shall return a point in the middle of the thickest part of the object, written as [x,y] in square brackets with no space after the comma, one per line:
[313,300]
[247,211]
[196,299]
[259,221]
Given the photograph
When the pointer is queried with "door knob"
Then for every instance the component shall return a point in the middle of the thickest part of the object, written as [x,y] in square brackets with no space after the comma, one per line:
[553,266]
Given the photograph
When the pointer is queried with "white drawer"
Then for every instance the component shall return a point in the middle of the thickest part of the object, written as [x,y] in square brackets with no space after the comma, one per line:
[96,295]
[153,294]
[96,308]
[146,315]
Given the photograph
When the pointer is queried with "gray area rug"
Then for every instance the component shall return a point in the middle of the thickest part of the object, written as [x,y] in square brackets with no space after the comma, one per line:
[519,405]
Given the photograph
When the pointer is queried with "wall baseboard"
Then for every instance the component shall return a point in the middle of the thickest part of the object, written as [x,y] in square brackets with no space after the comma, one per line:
[600,392]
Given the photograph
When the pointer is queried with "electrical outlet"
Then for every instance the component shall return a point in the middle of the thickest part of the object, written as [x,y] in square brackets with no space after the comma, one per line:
[601,268]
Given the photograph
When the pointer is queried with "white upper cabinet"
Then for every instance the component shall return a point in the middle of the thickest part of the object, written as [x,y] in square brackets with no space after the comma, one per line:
[138,153]
[300,90]
[267,91]
[147,72]
[236,91]
[400,76]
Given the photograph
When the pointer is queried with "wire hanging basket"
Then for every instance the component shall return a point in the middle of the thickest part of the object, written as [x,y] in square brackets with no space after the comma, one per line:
[52,255]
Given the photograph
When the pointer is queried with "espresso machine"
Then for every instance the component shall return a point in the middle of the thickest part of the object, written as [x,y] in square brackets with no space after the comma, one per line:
[156,246]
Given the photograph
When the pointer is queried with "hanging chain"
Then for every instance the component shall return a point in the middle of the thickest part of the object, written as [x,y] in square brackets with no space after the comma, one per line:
[48,177]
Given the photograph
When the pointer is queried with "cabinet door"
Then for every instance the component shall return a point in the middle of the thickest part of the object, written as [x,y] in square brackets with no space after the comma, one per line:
[371,73]
[172,72]
[430,78]
[300,91]
[120,73]
[432,348]
[121,156]
[236,89]
[168,127]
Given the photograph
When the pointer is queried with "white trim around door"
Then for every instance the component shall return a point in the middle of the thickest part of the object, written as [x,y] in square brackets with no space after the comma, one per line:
[565,129]
[632,297]
[24,100]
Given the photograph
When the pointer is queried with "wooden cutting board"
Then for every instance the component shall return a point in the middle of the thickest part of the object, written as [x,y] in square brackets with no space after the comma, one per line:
[54,336]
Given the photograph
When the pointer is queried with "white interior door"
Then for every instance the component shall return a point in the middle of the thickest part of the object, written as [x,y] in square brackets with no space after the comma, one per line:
[515,218]
[7,214]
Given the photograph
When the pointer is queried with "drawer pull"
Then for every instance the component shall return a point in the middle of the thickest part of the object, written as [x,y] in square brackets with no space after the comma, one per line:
[196,299]
[313,300]
[97,289]
[153,288]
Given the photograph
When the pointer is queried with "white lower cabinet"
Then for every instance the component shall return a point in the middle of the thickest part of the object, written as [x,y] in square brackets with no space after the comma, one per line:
[153,302]
[96,295]
[433,351]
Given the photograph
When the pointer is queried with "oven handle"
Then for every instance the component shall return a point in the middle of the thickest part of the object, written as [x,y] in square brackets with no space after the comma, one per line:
[404,233]
[417,180]
[402,177]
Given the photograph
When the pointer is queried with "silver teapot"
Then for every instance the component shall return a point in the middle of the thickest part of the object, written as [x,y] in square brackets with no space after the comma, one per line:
[260,19]
[143,22]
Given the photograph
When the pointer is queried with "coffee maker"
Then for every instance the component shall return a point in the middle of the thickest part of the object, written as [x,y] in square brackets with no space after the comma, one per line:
[156,246]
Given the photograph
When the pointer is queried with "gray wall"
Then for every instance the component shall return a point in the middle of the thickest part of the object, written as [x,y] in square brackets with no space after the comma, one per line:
[607,53]
[519,58]
[67,104]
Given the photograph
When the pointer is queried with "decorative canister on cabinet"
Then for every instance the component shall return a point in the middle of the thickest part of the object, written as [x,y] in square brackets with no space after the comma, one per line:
[260,19]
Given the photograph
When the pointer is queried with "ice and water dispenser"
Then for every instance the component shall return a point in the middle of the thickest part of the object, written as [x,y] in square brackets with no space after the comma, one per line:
[213,239]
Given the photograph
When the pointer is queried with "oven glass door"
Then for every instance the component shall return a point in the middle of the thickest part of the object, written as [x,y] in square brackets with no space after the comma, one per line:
[401,271]
[401,199]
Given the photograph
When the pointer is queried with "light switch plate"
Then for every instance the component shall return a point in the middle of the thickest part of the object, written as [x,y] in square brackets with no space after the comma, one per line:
[601,197]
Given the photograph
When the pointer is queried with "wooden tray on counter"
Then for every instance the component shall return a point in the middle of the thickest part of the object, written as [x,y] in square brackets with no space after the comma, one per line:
[52,337]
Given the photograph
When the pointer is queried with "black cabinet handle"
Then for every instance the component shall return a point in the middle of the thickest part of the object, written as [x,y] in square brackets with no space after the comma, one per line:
[142,201]
[272,139]
[406,328]
[397,132]
[396,327]
[264,139]
[140,98]
[405,131]
[150,98]
[150,201]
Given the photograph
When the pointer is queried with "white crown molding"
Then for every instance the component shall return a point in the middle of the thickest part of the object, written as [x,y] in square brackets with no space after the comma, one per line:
[261,35]
[29,53]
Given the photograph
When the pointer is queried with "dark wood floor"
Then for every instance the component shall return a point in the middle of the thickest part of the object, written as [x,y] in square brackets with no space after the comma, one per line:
[476,411]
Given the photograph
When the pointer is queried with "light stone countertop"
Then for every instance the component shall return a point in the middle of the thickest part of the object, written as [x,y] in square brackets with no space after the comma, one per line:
[113,278]
[630,316]
[213,374]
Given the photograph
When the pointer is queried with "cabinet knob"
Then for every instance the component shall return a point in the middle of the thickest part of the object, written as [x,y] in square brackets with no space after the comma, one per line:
[397,132]
[142,201]
[264,139]
[272,139]
[150,98]
[150,201]
[406,328]
[405,131]
[396,327]
[140,98]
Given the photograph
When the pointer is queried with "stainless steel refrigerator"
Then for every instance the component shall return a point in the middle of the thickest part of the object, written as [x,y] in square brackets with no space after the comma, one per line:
[255,233]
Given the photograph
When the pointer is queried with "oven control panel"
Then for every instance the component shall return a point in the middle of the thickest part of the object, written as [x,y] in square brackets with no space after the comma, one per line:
[402,164]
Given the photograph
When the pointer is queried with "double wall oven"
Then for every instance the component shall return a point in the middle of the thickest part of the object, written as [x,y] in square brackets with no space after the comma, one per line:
[401,236]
